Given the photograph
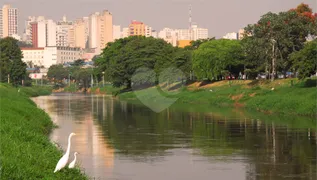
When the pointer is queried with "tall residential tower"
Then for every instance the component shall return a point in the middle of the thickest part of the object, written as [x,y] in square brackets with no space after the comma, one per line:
[8,21]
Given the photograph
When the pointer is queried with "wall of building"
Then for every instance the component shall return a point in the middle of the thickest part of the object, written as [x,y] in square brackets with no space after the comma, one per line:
[137,28]
[51,55]
[34,35]
[50,33]
[183,43]
[41,33]
[35,55]
[116,32]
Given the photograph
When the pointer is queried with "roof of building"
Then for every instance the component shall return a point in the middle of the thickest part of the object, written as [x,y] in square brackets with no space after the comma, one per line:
[136,22]
[32,48]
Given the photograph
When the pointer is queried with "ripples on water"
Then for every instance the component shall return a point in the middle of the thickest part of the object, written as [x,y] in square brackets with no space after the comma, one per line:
[118,140]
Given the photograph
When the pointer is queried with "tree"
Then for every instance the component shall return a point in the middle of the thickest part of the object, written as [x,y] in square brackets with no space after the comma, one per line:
[24,44]
[305,60]
[195,44]
[182,60]
[213,58]
[78,62]
[83,76]
[11,61]
[276,36]
[57,72]
[120,59]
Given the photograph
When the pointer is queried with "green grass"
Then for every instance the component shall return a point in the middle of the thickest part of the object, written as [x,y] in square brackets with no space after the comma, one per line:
[107,89]
[26,151]
[299,99]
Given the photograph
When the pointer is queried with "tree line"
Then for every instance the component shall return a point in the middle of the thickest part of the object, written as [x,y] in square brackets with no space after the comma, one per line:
[277,43]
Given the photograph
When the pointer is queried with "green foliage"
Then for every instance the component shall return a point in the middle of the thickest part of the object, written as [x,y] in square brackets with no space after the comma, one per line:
[213,57]
[26,151]
[275,36]
[83,76]
[284,99]
[57,72]
[78,62]
[123,57]
[305,60]
[11,61]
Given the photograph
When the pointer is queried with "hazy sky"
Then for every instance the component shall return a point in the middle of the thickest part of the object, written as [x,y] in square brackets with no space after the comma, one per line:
[219,16]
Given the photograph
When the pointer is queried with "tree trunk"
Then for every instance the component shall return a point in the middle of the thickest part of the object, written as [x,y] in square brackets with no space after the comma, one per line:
[273,62]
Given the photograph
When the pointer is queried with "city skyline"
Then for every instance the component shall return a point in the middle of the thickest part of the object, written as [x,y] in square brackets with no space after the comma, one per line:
[226,16]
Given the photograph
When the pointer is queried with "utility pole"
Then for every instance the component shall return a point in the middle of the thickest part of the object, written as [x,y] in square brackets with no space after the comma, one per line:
[273,60]
[68,79]
[92,80]
[8,78]
[103,79]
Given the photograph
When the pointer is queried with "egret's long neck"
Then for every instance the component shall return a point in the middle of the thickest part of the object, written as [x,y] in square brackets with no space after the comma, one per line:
[75,157]
[69,143]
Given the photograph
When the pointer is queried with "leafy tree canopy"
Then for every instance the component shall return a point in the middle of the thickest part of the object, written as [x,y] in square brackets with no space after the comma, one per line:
[11,61]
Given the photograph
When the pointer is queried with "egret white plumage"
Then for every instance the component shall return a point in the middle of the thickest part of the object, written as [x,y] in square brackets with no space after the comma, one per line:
[63,161]
[72,164]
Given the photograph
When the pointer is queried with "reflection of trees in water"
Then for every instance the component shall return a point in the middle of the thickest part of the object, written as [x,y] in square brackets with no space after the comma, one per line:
[272,150]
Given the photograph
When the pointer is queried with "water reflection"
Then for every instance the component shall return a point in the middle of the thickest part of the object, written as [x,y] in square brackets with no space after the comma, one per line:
[119,140]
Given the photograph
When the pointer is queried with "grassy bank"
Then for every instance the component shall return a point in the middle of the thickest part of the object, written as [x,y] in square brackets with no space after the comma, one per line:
[287,96]
[26,151]
[107,89]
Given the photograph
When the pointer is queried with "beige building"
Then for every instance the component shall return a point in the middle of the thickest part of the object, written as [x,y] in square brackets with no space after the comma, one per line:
[8,21]
[137,28]
[100,30]
[80,32]
[62,32]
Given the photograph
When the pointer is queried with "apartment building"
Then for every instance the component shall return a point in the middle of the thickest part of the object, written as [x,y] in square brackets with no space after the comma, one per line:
[80,33]
[116,32]
[100,30]
[137,28]
[47,56]
[8,21]
[232,36]
[63,29]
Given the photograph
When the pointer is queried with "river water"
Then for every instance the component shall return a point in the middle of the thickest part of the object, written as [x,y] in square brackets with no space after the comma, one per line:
[120,140]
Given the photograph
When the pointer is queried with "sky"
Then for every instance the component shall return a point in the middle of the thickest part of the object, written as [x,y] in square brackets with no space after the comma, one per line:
[218,16]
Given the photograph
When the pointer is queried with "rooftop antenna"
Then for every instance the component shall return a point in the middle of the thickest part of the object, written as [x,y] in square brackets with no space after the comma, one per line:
[190,22]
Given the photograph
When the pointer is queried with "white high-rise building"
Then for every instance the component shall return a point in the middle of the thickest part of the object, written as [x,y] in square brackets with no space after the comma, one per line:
[8,21]
[196,33]
[199,33]
[125,32]
[154,34]
[27,35]
[148,31]
[41,33]
[50,33]
[169,35]
[116,32]
[93,31]
[232,35]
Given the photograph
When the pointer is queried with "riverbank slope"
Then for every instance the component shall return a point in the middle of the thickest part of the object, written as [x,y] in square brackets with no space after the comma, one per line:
[283,96]
[26,151]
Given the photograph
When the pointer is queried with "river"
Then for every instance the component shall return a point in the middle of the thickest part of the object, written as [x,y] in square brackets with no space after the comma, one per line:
[120,140]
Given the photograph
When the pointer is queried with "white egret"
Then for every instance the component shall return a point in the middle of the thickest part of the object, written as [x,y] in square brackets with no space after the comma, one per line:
[72,164]
[63,161]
